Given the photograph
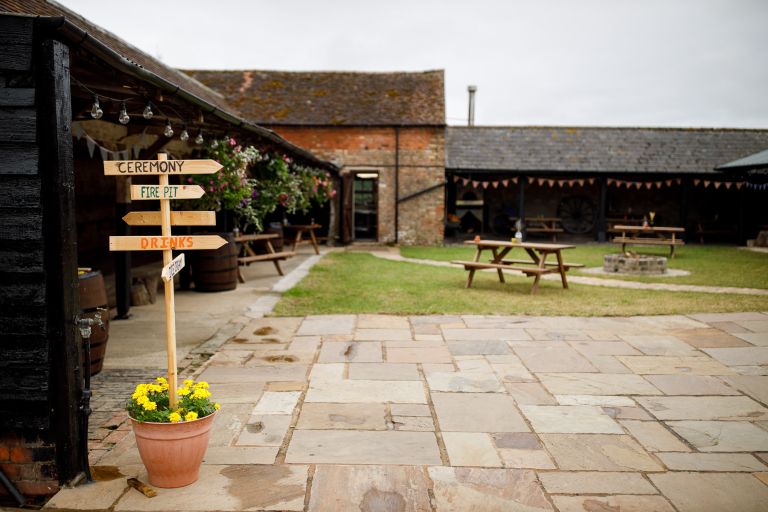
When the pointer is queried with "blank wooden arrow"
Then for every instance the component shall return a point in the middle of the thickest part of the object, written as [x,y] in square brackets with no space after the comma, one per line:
[164,243]
[139,192]
[177,218]
[167,167]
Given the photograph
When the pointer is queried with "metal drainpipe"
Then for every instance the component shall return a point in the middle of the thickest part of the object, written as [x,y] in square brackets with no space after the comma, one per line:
[397,183]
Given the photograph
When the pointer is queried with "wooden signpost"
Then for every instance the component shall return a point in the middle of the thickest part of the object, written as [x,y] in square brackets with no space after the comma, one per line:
[165,218]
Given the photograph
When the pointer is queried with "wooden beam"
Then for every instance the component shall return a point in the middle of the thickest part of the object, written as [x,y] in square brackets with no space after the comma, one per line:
[60,253]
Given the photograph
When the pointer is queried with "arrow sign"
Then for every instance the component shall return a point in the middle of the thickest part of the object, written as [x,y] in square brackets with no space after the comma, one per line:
[166,192]
[164,243]
[177,218]
[173,267]
[131,167]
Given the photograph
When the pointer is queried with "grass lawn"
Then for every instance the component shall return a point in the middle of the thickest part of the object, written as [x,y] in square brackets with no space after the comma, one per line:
[351,282]
[709,265]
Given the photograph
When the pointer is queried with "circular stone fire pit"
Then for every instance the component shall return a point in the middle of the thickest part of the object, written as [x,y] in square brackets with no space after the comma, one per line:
[639,265]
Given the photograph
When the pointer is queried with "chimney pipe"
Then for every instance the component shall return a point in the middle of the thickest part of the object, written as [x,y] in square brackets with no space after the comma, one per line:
[471,118]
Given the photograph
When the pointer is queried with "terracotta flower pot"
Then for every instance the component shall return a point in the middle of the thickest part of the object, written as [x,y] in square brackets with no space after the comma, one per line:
[173,452]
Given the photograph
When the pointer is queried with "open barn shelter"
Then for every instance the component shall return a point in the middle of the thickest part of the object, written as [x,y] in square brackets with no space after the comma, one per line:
[593,178]
[72,95]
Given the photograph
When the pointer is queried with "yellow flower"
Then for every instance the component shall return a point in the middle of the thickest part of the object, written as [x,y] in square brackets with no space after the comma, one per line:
[201,393]
[175,417]
[217,406]
[161,380]
[149,406]
[183,391]
[142,400]
[188,383]
[140,390]
[191,415]
[154,388]
[202,385]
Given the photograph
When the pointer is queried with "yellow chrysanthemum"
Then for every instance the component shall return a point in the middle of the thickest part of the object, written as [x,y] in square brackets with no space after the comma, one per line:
[164,387]
[161,380]
[201,393]
[183,391]
[191,415]
[174,417]
[149,406]
[154,388]
[202,385]
[217,406]
[141,400]
[188,383]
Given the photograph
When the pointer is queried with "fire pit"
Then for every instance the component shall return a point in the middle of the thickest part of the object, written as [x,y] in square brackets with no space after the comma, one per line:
[635,264]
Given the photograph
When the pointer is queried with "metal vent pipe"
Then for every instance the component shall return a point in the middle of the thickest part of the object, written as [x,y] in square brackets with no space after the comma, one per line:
[471,117]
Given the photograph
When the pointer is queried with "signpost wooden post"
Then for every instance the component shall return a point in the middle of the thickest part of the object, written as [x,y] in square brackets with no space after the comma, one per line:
[165,218]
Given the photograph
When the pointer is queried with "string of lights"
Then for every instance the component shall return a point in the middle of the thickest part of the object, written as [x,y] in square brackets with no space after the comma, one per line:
[148,113]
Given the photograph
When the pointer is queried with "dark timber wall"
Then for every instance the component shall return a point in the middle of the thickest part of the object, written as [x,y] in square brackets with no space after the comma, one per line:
[39,351]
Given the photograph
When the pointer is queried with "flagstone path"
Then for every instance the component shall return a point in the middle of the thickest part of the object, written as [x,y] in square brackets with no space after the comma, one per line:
[473,413]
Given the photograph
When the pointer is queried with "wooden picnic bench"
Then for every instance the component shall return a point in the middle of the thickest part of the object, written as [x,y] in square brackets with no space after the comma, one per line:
[301,230]
[540,224]
[246,255]
[535,267]
[714,229]
[649,235]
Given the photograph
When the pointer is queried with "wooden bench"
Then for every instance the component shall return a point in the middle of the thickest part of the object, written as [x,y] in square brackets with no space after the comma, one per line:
[246,255]
[566,266]
[244,260]
[714,229]
[629,240]
[480,265]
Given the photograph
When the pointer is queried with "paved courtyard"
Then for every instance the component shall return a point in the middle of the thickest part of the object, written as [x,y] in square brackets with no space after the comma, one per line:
[470,413]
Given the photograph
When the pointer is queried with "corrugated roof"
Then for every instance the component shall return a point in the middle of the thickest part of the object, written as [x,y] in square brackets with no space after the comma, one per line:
[587,149]
[46,8]
[332,98]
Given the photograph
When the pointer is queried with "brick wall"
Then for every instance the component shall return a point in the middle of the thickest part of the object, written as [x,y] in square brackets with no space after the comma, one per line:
[421,165]
[29,463]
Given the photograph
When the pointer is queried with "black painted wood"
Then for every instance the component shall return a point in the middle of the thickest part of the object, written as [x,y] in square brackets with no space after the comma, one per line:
[21,224]
[19,192]
[18,158]
[18,125]
[60,256]
[24,414]
[16,42]
[21,257]
[17,97]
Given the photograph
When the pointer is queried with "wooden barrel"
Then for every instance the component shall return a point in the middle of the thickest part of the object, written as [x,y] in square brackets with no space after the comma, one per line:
[216,270]
[93,295]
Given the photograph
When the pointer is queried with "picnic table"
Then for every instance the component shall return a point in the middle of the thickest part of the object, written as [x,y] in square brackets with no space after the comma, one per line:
[301,230]
[535,266]
[649,235]
[246,255]
[540,224]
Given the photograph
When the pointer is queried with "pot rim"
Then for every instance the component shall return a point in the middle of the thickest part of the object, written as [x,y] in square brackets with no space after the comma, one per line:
[169,423]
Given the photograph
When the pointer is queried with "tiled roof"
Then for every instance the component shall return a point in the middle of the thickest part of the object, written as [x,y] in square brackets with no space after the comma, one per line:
[332,98]
[133,54]
[610,150]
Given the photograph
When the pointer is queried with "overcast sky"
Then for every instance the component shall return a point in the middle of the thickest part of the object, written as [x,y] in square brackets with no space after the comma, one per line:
[535,62]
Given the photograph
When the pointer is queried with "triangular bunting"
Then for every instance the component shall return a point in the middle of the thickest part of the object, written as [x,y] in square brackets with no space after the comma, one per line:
[591,181]
[495,184]
[706,183]
[717,184]
[696,182]
[551,183]
[475,183]
[91,145]
[104,154]
[739,184]
[581,183]
[505,183]
[541,181]
[649,185]
[456,178]
[727,185]
[485,184]
[465,181]
[515,180]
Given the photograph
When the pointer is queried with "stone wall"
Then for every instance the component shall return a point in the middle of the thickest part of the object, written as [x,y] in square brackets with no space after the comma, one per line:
[421,159]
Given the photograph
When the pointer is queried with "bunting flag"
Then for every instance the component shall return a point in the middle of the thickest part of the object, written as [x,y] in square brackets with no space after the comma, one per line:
[107,154]
[505,183]
[550,182]
[495,184]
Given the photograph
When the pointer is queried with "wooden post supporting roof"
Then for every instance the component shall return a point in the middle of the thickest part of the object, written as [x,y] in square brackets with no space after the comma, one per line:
[60,253]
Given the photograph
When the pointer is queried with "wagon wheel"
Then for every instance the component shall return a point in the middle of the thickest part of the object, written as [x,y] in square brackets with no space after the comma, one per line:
[577,214]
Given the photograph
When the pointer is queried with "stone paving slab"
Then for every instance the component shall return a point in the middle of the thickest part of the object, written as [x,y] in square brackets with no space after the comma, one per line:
[443,413]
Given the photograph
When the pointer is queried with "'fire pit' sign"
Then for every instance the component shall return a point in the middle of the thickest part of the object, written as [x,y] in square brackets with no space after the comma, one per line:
[165,218]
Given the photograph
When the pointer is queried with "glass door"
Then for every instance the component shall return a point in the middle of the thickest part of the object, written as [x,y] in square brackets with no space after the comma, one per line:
[365,212]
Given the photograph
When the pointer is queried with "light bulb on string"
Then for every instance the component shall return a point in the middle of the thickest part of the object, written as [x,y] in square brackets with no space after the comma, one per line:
[168,132]
[124,118]
[199,139]
[96,111]
[148,111]
[184,135]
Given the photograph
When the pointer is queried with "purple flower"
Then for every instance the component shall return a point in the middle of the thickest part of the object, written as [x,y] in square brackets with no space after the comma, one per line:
[255,194]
